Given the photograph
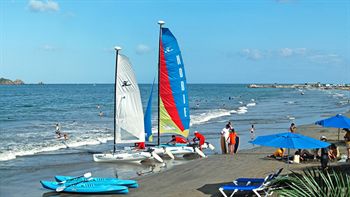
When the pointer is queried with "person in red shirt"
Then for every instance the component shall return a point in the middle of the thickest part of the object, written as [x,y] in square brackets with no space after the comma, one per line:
[199,137]
[140,145]
[232,141]
[177,139]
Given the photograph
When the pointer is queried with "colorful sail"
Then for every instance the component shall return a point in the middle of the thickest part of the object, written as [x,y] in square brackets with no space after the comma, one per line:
[174,107]
[129,112]
[148,118]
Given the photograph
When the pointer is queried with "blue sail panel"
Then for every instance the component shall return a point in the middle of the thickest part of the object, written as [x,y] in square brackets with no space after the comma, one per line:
[148,118]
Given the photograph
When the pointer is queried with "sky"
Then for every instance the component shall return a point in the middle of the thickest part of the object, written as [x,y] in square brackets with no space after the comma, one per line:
[242,41]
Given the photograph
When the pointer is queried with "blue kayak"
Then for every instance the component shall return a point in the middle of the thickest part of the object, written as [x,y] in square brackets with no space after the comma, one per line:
[100,180]
[86,187]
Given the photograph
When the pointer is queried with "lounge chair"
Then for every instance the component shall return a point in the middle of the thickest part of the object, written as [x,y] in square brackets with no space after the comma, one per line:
[248,181]
[258,185]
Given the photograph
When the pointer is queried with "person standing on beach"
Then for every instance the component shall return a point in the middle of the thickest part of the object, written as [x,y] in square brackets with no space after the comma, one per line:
[347,143]
[232,141]
[252,135]
[223,138]
[293,128]
[324,154]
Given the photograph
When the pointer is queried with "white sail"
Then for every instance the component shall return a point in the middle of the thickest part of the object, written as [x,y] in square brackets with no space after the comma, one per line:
[129,113]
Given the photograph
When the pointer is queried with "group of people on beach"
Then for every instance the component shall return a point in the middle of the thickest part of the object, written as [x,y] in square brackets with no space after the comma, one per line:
[325,155]
[198,139]
[229,139]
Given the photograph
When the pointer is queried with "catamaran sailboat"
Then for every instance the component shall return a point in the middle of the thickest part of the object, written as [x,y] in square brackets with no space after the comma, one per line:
[128,115]
[173,106]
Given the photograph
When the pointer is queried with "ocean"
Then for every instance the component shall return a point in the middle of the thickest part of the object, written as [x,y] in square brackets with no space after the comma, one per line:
[28,115]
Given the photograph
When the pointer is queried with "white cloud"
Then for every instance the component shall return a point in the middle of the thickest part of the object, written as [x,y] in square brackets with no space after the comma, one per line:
[142,49]
[314,56]
[285,52]
[43,6]
[325,58]
[253,54]
[48,47]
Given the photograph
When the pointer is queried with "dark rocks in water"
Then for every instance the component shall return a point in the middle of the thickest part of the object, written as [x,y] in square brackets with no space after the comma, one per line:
[4,81]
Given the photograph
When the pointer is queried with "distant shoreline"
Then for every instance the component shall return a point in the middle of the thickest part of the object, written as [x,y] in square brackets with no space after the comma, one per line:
[303,86]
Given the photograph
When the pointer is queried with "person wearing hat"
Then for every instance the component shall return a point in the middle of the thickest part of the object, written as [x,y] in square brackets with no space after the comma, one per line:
[324,154]
[199,137]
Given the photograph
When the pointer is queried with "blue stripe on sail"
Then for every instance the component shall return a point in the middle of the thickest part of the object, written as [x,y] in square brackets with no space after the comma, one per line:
[176,74]
[148,118]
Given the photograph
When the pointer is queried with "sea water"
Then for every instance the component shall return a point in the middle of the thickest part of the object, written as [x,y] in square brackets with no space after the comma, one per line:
[28,114]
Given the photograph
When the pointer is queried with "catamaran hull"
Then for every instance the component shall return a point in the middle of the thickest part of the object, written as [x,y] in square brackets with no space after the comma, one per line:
[121,157]
[175,150]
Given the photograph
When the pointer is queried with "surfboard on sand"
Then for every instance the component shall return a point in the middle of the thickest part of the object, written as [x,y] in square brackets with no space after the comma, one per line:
[237,144]
[223,145]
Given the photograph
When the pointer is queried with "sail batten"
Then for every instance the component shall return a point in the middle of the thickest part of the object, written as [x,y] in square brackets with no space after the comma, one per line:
[173,107]
[129,112]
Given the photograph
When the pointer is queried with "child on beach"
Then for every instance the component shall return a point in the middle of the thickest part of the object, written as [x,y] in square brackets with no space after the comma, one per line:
[252,135]
[293,128]
[232,141]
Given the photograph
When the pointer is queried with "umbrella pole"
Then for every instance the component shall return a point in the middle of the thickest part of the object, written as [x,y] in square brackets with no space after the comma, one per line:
[338,133]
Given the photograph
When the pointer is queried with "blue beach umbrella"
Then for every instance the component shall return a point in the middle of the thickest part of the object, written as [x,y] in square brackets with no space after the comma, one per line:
[289,140]
[338,121]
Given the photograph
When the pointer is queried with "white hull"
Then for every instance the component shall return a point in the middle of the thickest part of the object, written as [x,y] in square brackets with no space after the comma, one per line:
[121,157]
[175,150]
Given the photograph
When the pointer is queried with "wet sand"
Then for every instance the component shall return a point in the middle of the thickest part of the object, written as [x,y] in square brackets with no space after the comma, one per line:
[199,177]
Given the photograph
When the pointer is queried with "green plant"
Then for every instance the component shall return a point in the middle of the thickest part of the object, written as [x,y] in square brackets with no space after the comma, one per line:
[314,183]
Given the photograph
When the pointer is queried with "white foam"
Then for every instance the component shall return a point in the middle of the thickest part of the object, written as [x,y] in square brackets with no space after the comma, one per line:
[211,114]
[251,104]
[7,156]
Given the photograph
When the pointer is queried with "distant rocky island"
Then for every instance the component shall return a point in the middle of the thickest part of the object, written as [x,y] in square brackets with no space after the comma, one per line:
[4,81]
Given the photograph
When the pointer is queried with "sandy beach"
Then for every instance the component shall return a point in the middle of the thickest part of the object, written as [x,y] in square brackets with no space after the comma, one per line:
[198,177]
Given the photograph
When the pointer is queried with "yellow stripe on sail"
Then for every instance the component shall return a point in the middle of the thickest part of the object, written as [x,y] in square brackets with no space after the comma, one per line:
[167,125]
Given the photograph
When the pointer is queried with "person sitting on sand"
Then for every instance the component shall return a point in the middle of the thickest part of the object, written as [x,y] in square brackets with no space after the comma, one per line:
[306,155]
[333,152]
[177,139]
[199,137]
[278,153]
[347,143]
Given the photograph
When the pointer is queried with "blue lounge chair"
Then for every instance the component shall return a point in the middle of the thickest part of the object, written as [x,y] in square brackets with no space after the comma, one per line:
[248,181]
[259,185]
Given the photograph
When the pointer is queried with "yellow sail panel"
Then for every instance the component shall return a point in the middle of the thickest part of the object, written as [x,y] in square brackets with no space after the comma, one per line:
[167,125]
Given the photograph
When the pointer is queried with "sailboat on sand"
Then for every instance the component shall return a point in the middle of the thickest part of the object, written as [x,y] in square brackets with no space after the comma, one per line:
[173,106]
[128,116]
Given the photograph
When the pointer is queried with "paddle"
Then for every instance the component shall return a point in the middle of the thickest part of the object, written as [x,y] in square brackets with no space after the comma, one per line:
[169,153]
[199,152]
[86,175]
[63,187]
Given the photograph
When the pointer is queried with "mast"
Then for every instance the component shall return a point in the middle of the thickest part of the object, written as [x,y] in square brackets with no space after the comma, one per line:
[117,49]
[160,42]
